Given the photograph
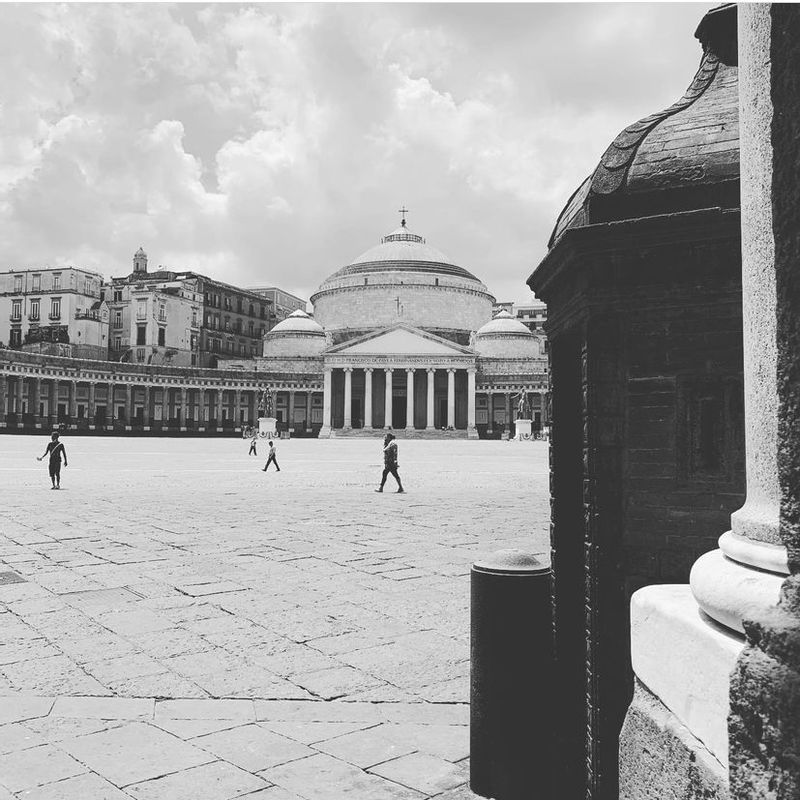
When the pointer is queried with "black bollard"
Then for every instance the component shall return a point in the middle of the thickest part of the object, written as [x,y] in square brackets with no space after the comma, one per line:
[511,730]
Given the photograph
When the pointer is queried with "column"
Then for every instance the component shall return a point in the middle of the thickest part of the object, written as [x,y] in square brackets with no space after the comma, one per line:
[36,390]
[291,409]
[165,406]
[3,399]
[18,402]
[451,398]
[490,405]
[508,413]
[184,405]
[326,402]
[201,408]
[429,425]
[409,399]
[128,403]
[73,400]
[387,420]
[92,410]
[348,397]
[237,402]
[368,397]
[146,411]
[219,408]
[470,399]
[110,410]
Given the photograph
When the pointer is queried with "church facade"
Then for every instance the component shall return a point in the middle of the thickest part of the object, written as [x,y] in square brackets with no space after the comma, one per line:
[402,338]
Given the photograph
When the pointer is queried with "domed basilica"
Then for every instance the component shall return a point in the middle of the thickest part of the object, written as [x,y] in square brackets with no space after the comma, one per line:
[403,338]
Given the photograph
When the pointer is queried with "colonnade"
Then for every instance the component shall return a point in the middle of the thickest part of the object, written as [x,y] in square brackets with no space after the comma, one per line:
[416,388]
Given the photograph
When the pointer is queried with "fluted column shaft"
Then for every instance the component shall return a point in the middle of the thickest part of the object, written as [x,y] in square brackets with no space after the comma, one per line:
[368,397]
[470,398]
[348,397]
[429,422]
[451,398]
[387,418]
[410,398]
[327,392]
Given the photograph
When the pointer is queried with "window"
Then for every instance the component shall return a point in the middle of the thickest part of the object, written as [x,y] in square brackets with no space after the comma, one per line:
[17,284]
[241,348]
[193,342]
[251,309]
[118,343]
[140,353]
[227,323]
[118,319]
[34,315]
[141,309]
[56,281]
[55,308]
[239,304]
[37,283]
[230,346]
[250,330]
[15,338]
[209,319]
[194,317]
[117,295]
[16,310]
[141,334]
[162,312]
[162,333]
[263,312]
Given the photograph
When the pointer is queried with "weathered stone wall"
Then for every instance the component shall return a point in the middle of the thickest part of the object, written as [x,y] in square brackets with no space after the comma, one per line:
[291,344]
[509,346]
[414,299]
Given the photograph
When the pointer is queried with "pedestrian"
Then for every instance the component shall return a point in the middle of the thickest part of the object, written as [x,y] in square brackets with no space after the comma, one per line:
[253,445]
[390,463]
[55,449]
[271,459]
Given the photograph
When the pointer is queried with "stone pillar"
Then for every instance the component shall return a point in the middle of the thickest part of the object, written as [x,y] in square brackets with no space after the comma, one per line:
[471,430]
[3,400]
[387,419]
[92,410]
[110,389]
[220,400]
[409,399]
[291,410]
[184,405]
[73,400]
[451,398]
[237,403]
[348,398]
[20,380]
[128,403]
[430,421]
[508,412]
[368,397]
[327,387]
[36,387]
[165,406]
[490,406]
[146,411]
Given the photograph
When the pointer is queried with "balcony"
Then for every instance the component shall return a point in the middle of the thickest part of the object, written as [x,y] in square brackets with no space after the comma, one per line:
[87,313]
[33,316]
[15,317]
[54,315]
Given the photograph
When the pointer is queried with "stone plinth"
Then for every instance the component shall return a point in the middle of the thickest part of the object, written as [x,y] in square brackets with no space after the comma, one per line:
[267,426]
[523,428]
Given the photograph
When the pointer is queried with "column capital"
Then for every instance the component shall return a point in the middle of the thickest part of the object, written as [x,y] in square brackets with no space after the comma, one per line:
[451,369]
[410,369]
[431,370]
[369,369]
[347,369]
[472,370]
[388,369]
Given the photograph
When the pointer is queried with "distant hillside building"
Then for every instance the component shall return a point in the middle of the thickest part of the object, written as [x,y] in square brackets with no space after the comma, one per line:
[55,310]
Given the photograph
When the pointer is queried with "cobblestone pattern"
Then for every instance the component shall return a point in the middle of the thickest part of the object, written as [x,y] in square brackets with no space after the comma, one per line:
[189,626]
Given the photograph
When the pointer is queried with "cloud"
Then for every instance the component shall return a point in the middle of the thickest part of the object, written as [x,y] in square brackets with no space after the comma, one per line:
[272,143]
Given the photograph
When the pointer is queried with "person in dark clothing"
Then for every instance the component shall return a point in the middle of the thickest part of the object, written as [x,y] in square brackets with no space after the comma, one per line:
[390,463]
[55,450]
[271,459]
[253,442]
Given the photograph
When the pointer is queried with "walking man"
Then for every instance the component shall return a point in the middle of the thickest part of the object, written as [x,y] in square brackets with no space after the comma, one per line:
[390,463]
[253,441]
[55,450]
[271,459]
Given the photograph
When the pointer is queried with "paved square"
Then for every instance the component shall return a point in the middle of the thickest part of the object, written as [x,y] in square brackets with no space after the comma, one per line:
[264,620]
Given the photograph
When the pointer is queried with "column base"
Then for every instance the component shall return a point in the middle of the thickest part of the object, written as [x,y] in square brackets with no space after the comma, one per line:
[128,428]
[685,659]
[472,433]
[324,432]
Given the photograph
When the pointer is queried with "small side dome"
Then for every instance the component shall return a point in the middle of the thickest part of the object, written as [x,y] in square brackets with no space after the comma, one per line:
[297,322]
[297,335]
[506,337]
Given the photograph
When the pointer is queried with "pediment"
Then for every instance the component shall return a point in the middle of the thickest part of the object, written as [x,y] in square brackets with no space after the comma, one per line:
[400,340]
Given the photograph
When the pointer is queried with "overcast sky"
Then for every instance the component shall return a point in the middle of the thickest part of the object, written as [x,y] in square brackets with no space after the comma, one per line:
[272,144]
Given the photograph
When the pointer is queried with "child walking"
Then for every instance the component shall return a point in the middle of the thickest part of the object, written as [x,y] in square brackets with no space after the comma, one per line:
[271,459]
[55,449]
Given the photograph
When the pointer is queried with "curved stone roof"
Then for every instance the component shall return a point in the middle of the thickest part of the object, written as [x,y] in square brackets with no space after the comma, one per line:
[298,322]
[681,158]
[504,324]
[403,251]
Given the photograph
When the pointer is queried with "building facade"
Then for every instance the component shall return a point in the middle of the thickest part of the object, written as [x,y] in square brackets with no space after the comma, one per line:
[183,318]
[402,338]
[282,302]
[54,310]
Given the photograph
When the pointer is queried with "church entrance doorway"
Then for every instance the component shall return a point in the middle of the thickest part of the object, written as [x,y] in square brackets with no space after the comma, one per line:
[399,411]
[356,414]
[442,420]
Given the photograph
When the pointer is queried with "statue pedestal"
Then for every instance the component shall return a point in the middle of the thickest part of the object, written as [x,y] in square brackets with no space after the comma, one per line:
[523,428]
[267,426]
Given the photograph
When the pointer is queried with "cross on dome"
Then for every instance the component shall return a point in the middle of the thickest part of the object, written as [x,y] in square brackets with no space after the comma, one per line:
[403,211]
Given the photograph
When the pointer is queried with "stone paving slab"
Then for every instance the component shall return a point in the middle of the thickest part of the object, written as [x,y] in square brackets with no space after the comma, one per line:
[187,626]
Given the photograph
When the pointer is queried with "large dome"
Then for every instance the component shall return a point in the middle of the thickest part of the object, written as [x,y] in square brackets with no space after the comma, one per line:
[402,279]
[506,337]
[296,335]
